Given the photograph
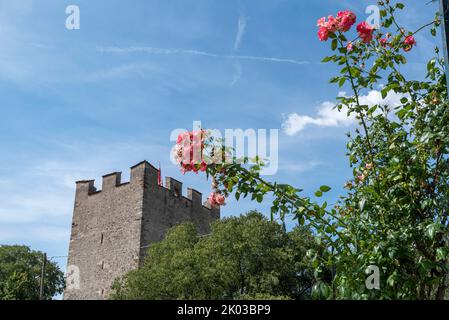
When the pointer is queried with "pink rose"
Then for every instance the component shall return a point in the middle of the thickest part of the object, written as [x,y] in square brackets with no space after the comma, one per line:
[384,41]
[321,22]
[332,24]
[182,137]
[211,199]
[323,34]
[343,22]
[186,155]
[216,199]
[365,32]
[409,43]
[220,199]
[197,135]
[346,19]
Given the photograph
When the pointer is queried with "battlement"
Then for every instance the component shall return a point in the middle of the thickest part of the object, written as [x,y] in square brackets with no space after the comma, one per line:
[139,172]
[145,173]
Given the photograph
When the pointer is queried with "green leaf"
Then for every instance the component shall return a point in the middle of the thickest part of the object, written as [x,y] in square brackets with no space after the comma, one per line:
[433,229]
[392,279]
[401,113]
[362,204]
[334,44]
[442,254]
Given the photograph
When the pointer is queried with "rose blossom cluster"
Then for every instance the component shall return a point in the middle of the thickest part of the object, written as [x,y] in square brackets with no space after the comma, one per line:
[216,199]
[365,31]
[408,42]
[343,23]
[188,151]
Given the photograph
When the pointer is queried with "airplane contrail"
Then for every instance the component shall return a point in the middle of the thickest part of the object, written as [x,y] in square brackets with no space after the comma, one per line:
[163,51]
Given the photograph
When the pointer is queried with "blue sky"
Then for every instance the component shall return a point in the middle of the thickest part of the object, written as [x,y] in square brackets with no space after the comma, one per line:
[77,104]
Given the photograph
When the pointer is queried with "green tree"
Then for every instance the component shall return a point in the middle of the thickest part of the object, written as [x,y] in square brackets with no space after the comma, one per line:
[245,257]
[20,271]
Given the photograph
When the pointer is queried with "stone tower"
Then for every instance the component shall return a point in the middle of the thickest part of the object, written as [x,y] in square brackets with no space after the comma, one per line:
[113,227]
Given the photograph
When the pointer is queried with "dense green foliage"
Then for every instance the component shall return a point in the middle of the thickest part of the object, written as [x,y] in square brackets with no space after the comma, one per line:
[395,214]
[20,272]
[245,257]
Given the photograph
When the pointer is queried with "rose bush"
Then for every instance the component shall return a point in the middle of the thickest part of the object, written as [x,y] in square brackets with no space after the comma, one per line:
[395,212]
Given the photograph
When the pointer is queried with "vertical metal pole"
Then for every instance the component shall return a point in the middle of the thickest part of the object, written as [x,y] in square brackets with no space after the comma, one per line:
[41,291]
[444,8]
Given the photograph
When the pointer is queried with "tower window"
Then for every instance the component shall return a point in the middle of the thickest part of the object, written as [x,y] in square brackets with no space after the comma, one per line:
[102,238]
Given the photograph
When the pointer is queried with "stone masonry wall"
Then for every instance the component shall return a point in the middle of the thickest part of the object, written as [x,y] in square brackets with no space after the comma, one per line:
[112,228]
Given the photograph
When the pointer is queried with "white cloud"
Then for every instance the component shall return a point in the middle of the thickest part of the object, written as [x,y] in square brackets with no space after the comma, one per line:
[328,116]
[375,97]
